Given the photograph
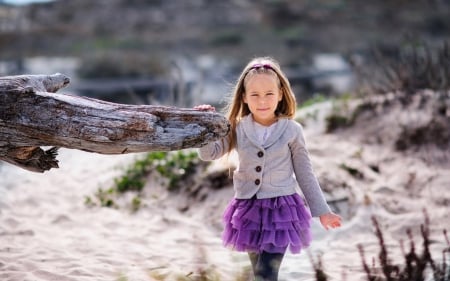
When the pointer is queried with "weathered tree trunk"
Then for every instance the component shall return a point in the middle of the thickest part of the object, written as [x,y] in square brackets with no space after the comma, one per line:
[33,115]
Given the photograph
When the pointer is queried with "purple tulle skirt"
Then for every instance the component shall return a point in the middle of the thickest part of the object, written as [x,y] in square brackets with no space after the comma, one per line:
[271,225]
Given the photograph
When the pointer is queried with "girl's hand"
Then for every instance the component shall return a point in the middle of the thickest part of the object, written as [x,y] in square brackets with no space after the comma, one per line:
[205,107]
[330,220]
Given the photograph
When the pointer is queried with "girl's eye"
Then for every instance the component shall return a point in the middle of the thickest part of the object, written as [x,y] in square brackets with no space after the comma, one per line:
[269,94]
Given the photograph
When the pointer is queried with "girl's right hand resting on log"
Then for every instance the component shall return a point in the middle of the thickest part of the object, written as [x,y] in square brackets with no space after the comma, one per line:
[205,107]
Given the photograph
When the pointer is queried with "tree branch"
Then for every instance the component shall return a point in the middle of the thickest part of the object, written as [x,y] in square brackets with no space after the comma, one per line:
[33,115]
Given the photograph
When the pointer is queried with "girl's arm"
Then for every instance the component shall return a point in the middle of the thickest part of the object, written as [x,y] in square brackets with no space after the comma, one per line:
[305,175]
[310,185]
[212,150]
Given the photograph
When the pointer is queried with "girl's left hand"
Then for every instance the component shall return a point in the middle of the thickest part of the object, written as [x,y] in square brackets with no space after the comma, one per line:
[330,220]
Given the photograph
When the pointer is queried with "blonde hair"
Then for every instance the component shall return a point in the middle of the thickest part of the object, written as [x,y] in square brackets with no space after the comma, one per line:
[237,109]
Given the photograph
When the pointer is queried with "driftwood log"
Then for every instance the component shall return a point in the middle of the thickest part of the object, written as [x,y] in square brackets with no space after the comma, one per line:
[32,115]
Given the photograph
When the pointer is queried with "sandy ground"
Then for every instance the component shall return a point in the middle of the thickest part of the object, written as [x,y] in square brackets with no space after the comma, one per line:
[48,233]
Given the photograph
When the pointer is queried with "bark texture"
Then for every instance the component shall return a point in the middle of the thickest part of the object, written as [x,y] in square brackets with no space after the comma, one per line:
[32,114]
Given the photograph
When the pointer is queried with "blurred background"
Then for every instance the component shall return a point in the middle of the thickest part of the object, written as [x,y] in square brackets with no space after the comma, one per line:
[184,53]
[387,156]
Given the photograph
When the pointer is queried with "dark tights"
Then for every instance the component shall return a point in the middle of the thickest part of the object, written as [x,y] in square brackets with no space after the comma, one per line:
[266,265]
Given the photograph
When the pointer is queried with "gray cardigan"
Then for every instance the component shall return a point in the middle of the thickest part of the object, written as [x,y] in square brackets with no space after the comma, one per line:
[273,169]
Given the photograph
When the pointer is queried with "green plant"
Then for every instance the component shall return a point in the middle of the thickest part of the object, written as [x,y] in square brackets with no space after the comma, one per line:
[122,277]
[311,114]
[313,100]
[135,175]
[352,171]
[341,115]
[106,197]
[136,203]
[176,170]
[336,121]
[178,167]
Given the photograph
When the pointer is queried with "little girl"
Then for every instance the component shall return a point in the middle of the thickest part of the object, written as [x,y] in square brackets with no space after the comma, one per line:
[267,215]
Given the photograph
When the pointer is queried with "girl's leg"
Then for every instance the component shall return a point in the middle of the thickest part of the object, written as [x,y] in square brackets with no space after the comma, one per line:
[254,257]
[267,266]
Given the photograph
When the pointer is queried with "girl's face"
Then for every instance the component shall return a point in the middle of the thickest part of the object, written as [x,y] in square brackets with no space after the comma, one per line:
[262,95]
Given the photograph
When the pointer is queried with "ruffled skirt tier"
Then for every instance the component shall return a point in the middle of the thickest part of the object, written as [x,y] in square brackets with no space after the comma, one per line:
[272,225]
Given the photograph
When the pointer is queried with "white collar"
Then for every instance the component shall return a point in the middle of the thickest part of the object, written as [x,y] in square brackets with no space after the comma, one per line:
[277,129]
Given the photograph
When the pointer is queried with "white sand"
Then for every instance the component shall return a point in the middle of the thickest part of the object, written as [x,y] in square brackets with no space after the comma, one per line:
[47,233]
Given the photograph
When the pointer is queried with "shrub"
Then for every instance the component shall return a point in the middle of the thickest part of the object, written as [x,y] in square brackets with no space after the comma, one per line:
[177,170]
[436,132]
[341,115]
[407,69]
[415,267]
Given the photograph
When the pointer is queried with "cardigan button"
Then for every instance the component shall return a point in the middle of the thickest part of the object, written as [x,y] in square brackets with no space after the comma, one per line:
[260,154]
[258,169]
[257,181]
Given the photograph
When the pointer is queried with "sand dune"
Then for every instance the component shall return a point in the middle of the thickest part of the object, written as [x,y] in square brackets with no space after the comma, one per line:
[48,233]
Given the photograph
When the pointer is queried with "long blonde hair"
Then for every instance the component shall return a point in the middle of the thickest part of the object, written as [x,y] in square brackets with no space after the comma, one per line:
[236,108]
